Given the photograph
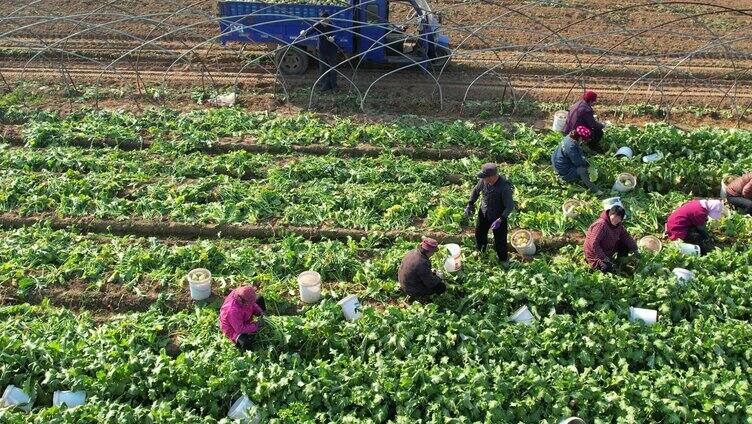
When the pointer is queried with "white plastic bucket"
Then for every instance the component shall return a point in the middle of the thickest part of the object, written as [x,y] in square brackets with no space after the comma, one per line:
[199,281]
[309,286]
[725,180]
[651,243]
[240,410]
[452,264]
[625,151]
[350,307]
[612,201]
[560,120]
[67,398]
[571,208]
[689,249]
[655,157]
[683,275]
[625,182]
[523,242]
[15,397]
[454,250]
[572,420]
[522,315]
[648,316]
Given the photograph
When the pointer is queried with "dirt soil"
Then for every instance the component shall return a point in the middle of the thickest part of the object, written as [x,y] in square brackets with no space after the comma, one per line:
[549,50]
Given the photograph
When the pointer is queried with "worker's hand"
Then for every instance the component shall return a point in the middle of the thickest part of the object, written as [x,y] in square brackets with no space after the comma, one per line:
[439,273]
[608,266]
[469,211]
[496,224]
[330,38]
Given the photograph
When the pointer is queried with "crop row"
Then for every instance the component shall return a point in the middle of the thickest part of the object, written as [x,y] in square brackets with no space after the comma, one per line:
[35,258]
[197,130]
[318,202]
[420,363]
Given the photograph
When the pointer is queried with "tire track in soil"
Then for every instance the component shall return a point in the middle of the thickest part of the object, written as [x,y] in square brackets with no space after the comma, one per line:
[531,87]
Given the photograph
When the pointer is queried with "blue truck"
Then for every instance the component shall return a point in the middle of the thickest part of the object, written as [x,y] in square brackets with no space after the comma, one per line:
[361,29]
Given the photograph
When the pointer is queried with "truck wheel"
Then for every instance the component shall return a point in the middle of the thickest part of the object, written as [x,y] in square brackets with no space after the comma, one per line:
[291,61]
[443,55]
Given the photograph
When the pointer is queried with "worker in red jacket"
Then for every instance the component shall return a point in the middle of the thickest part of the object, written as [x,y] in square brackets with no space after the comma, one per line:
[606,237]
[739,193]
[688,221]
[581,114]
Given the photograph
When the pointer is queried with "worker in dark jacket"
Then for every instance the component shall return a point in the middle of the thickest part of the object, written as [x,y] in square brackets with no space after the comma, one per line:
[606,237]
[495,207]
[569,161]
[581,114]
[739,193]
[327,51]
[415,275]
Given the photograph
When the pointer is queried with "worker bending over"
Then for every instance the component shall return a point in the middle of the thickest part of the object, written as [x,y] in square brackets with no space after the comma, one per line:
[569,161]
[606,237]
[581,114]
[688,222]
[236,316]
[495,207]
[415,276]
[739,193]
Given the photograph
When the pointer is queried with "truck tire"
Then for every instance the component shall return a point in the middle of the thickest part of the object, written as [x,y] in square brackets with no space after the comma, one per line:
[291,60]
[443,55]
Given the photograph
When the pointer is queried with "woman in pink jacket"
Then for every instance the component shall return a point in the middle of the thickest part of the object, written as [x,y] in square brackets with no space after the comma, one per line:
[235,316]
[688,222]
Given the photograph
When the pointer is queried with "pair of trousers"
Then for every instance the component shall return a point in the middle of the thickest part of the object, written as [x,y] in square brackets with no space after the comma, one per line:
[436,290]
[482,225]
[245,341]
[742,203]
[327,72]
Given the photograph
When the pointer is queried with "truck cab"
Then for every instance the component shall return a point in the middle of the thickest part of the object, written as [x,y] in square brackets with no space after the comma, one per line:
[382,32]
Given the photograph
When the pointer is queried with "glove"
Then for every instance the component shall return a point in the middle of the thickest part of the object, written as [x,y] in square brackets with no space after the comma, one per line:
[469,211]
[496,224]
[330,38]
[608,266]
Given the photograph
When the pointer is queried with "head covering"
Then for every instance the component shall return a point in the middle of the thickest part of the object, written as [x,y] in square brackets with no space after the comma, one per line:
[428,244]
[488,170]
[590,96]
[583,132]
[713,207]
[247,293]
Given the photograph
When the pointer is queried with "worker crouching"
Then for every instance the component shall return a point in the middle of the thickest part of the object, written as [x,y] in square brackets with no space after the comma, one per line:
[688,222]
[415,276]
[236,316]
[569,161]
[607,237]
[739,193]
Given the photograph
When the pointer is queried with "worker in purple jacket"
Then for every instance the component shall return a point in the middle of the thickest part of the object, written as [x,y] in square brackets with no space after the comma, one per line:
[581,114]
[495,207]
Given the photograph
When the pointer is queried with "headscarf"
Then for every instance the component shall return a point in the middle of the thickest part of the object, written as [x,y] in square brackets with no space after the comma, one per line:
[246,293]
[429,244]
[583,132]
[713,207]
[590,96]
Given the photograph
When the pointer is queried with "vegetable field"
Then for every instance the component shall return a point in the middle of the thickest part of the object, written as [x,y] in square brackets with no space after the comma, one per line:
[95,298]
